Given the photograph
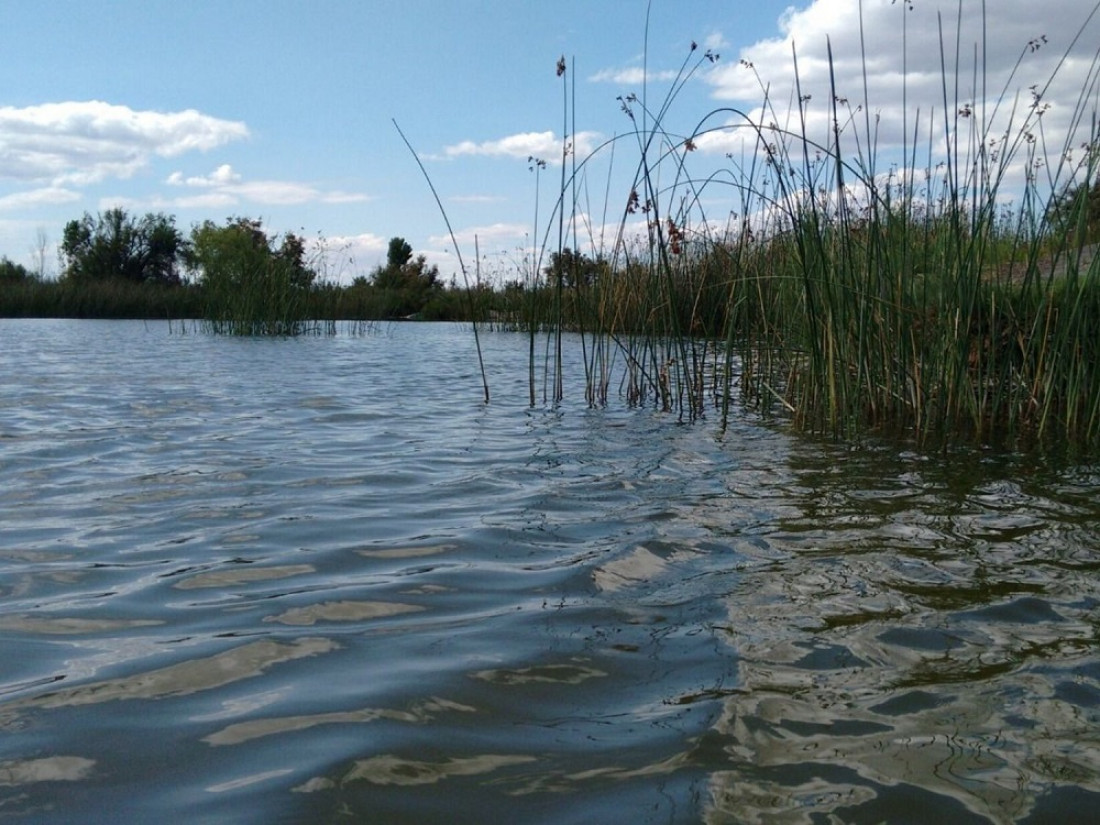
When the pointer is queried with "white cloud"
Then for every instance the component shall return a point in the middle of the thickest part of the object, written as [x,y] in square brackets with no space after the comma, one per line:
[222,176]
[516,238]
[715,41]
[340,258]
[79,143]
[492,236]
[508,250]
[47,196]
[491,240]
[282,193]
[157,203]
[1023,45]
[365,244]
[226,187]
[543,145]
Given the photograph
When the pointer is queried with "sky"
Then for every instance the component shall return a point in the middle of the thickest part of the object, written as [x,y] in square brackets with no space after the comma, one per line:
[288,111]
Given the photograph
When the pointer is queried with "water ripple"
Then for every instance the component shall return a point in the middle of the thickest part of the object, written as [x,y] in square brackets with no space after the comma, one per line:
[303,580]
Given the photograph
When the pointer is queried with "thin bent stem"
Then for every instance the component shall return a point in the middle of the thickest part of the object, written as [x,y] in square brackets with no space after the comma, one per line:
[458,252]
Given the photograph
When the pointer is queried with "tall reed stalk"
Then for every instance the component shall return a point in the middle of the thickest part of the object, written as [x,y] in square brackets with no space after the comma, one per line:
[458,253]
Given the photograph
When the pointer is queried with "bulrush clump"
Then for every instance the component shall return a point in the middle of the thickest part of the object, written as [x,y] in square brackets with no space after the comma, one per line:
[846,299]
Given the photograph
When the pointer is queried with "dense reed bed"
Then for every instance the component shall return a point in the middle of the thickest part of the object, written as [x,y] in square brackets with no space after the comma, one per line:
[115,298]
[952,296]
[943,287]
[241,312]
[268,306]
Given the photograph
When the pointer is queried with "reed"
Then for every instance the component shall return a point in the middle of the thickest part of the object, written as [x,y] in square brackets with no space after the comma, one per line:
[111,298]
[844,298]
[254,306]
[251,285]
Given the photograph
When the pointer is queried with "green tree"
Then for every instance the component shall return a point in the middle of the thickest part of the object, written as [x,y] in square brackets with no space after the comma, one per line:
[399,253]
[292,252]
[242,250]
[12,273]
[115,245]
[574,268]
[408,283]
[253,283]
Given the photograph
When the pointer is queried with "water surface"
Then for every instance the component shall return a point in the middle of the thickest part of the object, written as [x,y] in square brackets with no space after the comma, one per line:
[317,580]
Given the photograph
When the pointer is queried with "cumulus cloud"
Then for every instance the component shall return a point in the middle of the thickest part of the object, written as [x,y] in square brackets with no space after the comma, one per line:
[365,244]
[544,145]
[636,75]
[715,41]
[1001,68]
[340,258]
[217,201]
[47,196]
[487,236]
[509,238]
[222,176]
[79,143]
[226,187]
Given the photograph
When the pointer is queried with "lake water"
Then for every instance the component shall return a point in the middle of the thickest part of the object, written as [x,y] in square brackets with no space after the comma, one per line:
[318,580]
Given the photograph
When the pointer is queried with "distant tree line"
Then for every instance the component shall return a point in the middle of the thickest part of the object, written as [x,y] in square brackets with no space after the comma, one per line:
[12,273]
[116,264]
[240,278]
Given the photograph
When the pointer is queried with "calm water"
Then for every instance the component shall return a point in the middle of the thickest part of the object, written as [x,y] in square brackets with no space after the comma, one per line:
[317,580]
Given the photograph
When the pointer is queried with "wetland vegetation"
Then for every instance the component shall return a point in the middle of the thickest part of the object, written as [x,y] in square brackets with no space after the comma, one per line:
[947,289]
[273,572]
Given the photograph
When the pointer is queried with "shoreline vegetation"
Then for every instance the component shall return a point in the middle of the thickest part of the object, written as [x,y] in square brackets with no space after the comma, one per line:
[946,289]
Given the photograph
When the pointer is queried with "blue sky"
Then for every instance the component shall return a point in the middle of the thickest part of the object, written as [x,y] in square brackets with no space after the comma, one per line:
[284,110]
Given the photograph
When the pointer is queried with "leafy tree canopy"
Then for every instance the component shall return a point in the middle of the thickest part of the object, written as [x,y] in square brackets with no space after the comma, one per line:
[575,268]
[398,254]
[116,245]
[410,281]
[242,252]
[11,272]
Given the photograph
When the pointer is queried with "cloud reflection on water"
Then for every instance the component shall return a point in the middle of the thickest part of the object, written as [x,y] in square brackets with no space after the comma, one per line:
[184,678]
